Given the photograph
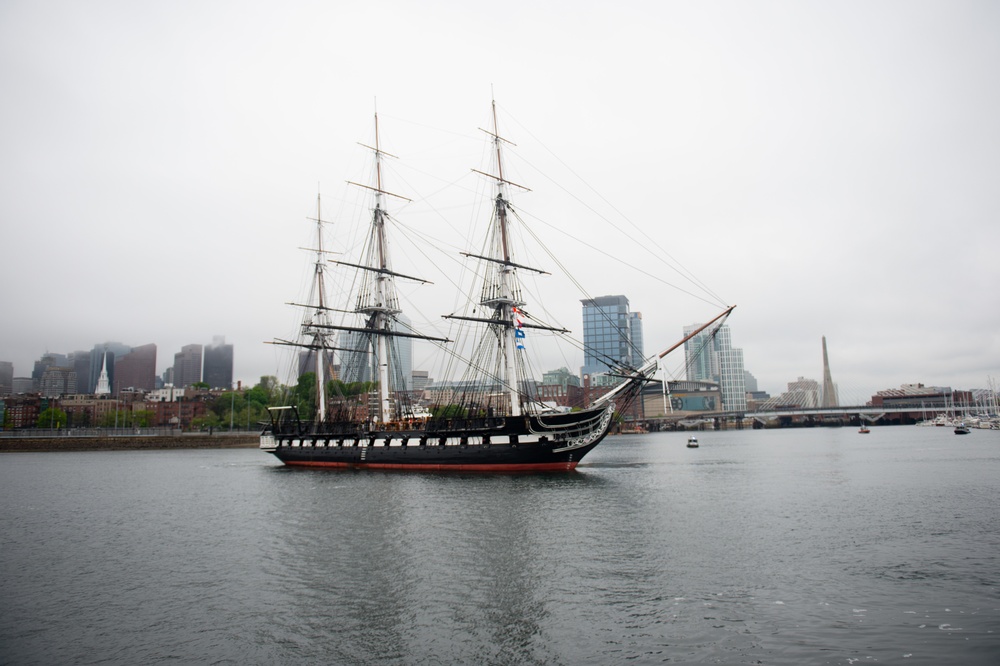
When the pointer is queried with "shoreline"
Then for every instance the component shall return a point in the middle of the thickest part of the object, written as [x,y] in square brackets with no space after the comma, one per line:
[137,443]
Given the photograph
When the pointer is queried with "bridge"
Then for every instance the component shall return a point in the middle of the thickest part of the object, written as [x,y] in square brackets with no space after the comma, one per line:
[798,415]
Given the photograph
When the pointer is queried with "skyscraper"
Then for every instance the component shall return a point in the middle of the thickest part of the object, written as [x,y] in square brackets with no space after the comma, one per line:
[58,381]
[732,379]
[136,369]
[357,364]
[6,377]
[611,334]
[187,366]
[712,358]
[218,371]
[404,349]
[700,360]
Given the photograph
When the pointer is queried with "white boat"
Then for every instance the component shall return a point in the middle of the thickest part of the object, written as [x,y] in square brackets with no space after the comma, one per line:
[692,442]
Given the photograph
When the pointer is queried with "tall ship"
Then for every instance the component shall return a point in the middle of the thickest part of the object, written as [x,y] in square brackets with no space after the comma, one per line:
[490,420]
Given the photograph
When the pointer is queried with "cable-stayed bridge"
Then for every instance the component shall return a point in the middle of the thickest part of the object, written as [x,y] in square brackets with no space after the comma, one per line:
[869,413]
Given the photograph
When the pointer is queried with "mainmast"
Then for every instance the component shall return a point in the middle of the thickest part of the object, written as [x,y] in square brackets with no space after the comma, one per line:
[507,302]
[383,288]
[377,300]
[319,336]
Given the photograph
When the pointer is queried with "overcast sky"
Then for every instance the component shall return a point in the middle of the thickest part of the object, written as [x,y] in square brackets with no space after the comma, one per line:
[831,167]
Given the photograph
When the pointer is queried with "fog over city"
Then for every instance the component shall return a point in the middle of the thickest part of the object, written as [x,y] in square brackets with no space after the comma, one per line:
[829,167]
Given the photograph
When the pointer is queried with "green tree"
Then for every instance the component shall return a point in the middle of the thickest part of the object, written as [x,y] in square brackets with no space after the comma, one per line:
[209,420]
[267,391]
[200,385]
[143,418]
[448,411]
[53,417]
[79,419]
[304,396]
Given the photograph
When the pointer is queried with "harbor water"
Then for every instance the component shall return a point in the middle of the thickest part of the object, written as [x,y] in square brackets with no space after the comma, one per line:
[821,546]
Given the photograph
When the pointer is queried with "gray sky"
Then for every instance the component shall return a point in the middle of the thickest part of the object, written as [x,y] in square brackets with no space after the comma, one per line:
[830,167]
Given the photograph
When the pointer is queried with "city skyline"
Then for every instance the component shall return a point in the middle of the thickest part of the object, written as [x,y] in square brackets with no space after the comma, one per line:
[831,172]
[701,362]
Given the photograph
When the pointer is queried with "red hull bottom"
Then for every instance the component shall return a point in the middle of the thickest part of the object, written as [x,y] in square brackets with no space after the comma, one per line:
[434,467]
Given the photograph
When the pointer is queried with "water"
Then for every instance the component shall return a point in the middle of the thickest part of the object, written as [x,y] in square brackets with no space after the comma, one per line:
[781,547]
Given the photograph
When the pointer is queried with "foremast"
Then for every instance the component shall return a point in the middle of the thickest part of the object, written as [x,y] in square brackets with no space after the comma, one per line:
[379,302]
[500,299]
[509,297]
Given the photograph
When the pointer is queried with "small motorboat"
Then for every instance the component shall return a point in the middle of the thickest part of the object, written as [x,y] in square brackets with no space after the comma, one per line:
[692,442]
[962,429]
[864,429]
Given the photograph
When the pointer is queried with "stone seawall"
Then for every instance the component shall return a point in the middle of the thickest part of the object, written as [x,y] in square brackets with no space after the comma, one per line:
[39,444]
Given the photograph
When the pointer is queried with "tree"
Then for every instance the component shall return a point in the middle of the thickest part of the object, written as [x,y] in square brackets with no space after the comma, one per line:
[53,417]
[143,418]
[209,420]
[304,395]
[448,411]
[79,419]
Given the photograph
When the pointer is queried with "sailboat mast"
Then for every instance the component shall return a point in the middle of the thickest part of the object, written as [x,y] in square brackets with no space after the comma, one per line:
[319,337]
[380,323]
[506,278]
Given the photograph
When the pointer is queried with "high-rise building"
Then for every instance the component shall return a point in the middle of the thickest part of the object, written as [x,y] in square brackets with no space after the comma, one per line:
[58,381]
[47,360]
[22,385]
[612,335]
[187,366]
[732,381]
[421,379]
[218,364]
[711,357]
[635,337]
[802,393]
[136,369]
[6,377]
[356,364]
[700,358]
[80,360]
[307,363]
[404,351]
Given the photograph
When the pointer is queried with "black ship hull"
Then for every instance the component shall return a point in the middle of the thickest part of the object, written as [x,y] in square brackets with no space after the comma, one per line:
[522,444]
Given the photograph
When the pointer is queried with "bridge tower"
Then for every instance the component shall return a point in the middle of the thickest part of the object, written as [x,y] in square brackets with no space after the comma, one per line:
[829,392]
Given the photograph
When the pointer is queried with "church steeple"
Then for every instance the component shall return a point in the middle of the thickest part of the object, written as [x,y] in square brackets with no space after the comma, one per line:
[103,387]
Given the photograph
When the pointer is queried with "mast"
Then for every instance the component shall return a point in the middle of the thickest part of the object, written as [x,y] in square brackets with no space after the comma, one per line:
[377,299]
[381,319]
[501,292]
[507,302]
[315,323]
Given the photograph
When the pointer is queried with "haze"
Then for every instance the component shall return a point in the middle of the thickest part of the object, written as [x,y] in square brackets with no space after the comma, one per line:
[831,167]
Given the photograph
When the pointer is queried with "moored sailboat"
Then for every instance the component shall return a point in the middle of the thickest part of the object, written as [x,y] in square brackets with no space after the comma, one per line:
[492,422]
